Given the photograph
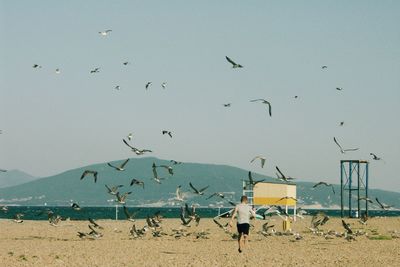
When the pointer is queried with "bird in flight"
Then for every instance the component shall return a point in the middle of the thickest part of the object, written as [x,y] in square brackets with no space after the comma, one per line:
[324,67]
[178,193]
[136,150]
[347,227]
[105,33]
[341,123]
[119,168]
[219,194]
[234,64]
[168,168]
[75,206]
[263,101]
[137,182]
[130,216]
[36,66]
[382,205]
[339,88]
[117,87]
[164,85]
[121,198]
[227,105]
[155,174]
[167,132]
[126,63]
[326,184]
[113,190]
[148,85]
[58,71]
[94,224]
[174,162]
[95,70]
[90,172]
[341,148]
[251,180]
[261,158]
[130,136]
[198,192]
[366,199]
[282,177]
[375,157]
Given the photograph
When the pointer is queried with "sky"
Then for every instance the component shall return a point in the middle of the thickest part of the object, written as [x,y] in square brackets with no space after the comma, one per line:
[54,122]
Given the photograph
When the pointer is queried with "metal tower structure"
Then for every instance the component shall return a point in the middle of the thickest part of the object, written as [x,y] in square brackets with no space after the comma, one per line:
[353,178]
[248,191]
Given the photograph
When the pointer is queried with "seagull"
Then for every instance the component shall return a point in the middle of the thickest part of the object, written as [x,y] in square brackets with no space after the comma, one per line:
[117,87]
[3,208]
[287,198]
[182,216]
[18,217]
[125,63]
[58,71]
[227,105]
[136,150]
[167,132]
[319,219]
[113,190]
[2,170]
[168,168]
[382,205]
[326,184]
[75,206]
[119,168]
[164,85]
[95,224]
[341,123]
[300,212]
[88,172]
[95,70]
[347,227]
[263,101]
[324,67]
[261,158]
[343,150]
[252,182]
[174,162]
[266,227]
[129,216]
[219,194]
[155,174]
[375,157]
[137,182]
[130,136]
[179,195]
[148,84]
[121,198]
[282,176]
[105,33]
[366,199]
[198,192]
[234,65]
[36,66]
[339,88]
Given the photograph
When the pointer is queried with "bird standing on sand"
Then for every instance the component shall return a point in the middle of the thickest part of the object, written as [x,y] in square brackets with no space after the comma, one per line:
[263,101]
[326,184]
[343,151]
[119,168]
[234,64]
[89,172]
[261,158]
[198,192]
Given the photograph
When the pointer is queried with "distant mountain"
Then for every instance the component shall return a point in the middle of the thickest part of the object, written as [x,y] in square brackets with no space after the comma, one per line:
[62,189]
[14,177]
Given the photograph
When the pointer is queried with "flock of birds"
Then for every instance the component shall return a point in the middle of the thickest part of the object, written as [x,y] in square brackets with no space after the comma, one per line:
[189,215]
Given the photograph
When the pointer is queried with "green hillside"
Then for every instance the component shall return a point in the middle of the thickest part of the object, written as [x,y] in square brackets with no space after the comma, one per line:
[14,177]
[63,188]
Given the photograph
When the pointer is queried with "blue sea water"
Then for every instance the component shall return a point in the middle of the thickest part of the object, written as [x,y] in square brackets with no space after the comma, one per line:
[39,212]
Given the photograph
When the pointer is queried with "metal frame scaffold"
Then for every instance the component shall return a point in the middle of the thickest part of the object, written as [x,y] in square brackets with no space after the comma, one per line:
[350,170]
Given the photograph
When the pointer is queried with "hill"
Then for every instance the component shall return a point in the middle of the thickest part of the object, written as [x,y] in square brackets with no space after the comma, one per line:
[14,177]
[63,188]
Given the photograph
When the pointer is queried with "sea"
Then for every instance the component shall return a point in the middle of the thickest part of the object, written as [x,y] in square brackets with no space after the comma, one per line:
[117,213]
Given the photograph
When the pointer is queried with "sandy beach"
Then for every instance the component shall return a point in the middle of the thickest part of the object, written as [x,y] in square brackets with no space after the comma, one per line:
[37,243]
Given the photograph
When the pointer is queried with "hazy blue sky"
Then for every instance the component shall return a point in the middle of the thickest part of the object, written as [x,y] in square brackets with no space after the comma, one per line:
[54,122]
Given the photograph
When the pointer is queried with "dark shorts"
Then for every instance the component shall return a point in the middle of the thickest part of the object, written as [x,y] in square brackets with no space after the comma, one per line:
[243,228]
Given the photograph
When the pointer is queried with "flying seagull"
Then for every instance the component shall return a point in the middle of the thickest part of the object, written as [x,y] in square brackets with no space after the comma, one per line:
[121,198]
[155,174]
[263,101]
[130,136]
[94,224]
[136,150]
[119,168]
[366,199]
[129,216]
[167,132]
[326,184]
[113,190]
[287,198]
[105,33]
[148,84]
[183,219]
[174,162]
[75,206]
[95,70]
[341,148]
[339,88]
[90,172]
[164,85]
[341,123]
[36,66]
[137,182]
[324,67]
[219,194]
[234,65]
[227,105]
[383,206]
[198,192]
[58,71]
[347,227]
[168,168]
[375,157]
[126,63]
[261,158]
[251,180]
[282,176]
[117,87]
[179,195]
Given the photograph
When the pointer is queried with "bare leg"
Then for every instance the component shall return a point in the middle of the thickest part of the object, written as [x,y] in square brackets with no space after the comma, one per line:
[245,238]
[240,242]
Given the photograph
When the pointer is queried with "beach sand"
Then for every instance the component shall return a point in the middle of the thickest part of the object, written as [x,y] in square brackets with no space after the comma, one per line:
[37,243]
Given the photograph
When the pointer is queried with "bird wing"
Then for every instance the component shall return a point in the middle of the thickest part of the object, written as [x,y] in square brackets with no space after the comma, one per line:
[347,227]
[190,184]
[201,190]
[155,171]
[218,223]
[269,109]
[124,163]
[351,149]
[337,143]
[112,166]
[230,60]
[84,174]
[256,100]
[251,178]
[188,211]
[283,176]
[126,143]
[127,214]
[380,204]
[211,196]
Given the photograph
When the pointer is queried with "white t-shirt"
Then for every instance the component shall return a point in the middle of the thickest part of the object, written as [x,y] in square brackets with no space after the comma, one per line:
[243,213]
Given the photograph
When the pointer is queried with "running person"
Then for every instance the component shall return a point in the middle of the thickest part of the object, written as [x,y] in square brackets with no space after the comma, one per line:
[243,212]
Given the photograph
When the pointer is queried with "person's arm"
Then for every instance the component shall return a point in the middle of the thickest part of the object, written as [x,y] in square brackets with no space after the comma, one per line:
[253,213]
[233,216]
